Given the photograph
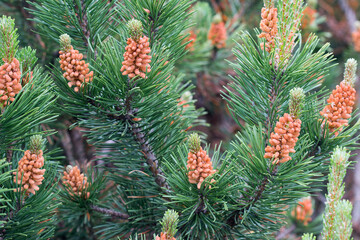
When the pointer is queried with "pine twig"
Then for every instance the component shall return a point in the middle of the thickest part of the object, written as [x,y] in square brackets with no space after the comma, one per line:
[83,21]
[284,234]
[149,155]
[200,208]
[261,190]
[139,137]
[9,154]
[146,148]
[109,212]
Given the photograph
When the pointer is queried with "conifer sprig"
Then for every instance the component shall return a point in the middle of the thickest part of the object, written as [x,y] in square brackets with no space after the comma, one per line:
[27,58]
[135,29]
[169,223]
[343,224]
[36,143]
[194,142]
[338,165]
[296,103]
[308,236]
[65,42]
[4,177]
[82,20]
[350,71]
[8,39]
[269,3]
[132,120]
[290,13]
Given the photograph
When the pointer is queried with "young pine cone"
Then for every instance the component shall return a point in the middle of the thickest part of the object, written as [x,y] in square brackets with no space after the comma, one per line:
[9,81]
[163,236]
[309,17]
[340,106]
[217,34]
[303,211]
[76,70]
[199,164]
[192,38]
[76,181]
[283,139]
[356,38]
[30,172]
[136,59]
[268,25]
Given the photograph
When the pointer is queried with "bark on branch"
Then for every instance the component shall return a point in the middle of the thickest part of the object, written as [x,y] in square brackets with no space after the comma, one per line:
[109,212]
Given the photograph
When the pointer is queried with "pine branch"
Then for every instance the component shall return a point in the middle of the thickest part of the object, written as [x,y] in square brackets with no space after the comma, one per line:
[273,95]
[284,234]
[260,191]
[149,155]
[139,137]
[121,117]
[200,208]
[270,120]
[84,23]
[146,148]
[109,212]
[9,154]
[257,196]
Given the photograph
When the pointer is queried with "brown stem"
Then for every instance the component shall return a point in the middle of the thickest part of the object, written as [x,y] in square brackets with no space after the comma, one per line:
[270,113]
[213,55]
[200,208]
[270,121]
[83,21]
[9,154]
[215,6]
[260,190]
[149,155]
[140,138]
[78,145]
[109,212]
[284,234]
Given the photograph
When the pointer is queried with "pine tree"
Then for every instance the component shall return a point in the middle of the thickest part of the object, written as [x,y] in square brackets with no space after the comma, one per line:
[27,172]
[116,78]
[139,121]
